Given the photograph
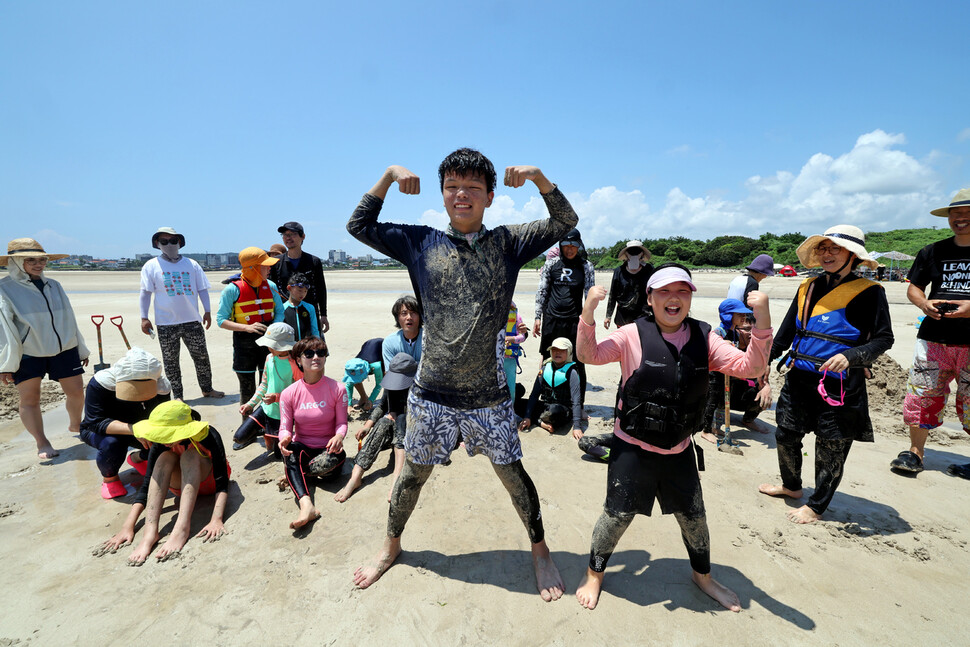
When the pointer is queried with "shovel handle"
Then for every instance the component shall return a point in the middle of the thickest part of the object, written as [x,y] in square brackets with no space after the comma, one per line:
[118,320]
[97,320]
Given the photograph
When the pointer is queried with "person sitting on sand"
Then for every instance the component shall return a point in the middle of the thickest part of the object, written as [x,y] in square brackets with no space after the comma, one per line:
[247,307]
[186,457]
[837,325]
[465,277]
[387,425]
[117,398]
[369,361]
[664,362]
[262,412]
[39,336]
[941,354]
[556,400]
[313,424]
[752,396]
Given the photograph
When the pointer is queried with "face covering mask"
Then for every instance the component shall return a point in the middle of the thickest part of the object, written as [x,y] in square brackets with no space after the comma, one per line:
[632,262]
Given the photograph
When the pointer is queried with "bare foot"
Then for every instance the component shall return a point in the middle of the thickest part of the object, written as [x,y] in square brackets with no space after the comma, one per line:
[176,541]
[548,581]
[46,452]
[725,596]
[308,514]
[214,394]
[144,549]
[803,514]
[709,437]
[367,575]
[588,591]
[344,493]
[779,490]
[756,426]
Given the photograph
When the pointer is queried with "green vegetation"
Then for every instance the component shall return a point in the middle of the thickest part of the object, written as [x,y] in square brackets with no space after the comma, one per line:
[737,251]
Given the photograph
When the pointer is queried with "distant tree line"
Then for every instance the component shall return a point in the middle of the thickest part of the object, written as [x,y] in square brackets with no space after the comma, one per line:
[738,251]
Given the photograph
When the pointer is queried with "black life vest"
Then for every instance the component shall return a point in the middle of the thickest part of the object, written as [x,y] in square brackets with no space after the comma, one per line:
[665,397]
[299,319]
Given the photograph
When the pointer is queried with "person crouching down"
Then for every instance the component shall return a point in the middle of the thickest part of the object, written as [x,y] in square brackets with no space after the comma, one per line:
[556,398]
[313,424]
[664,362]
[262,412]
[116,399]
[186,457]
[386,427]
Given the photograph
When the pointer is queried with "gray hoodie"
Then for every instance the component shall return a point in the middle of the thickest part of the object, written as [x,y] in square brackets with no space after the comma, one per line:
[34,322]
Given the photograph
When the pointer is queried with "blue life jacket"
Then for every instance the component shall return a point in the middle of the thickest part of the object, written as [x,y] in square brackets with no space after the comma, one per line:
[824,331]
[555,383]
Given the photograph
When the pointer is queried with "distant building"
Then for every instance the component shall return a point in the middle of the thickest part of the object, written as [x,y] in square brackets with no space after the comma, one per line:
[338,256]
[144,258]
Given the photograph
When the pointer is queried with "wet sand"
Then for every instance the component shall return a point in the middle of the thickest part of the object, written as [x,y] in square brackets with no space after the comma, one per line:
[888,559]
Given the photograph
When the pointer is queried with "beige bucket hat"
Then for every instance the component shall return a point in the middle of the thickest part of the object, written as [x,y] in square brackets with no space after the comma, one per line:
[961,199]
[26,248]
[847,236]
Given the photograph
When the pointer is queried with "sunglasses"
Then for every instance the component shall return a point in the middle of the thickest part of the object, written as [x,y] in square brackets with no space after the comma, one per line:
[310,353]
[826,397]
[168,241]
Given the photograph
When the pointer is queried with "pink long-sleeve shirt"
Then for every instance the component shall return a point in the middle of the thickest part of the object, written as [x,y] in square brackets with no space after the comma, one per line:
[623,345]
[313,413]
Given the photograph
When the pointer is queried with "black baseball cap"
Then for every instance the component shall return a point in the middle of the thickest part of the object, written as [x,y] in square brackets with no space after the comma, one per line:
[291,226]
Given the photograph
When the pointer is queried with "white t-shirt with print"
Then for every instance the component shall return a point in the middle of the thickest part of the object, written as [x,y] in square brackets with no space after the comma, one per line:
[176,288]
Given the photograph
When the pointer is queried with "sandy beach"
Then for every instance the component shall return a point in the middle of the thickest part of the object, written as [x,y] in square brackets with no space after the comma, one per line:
[886,564]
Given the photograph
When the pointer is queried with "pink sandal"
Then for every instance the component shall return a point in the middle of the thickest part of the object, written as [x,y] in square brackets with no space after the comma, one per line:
[113,489]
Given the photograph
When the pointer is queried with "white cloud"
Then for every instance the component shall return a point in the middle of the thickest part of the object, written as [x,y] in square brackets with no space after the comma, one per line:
[964,135]
[874,186]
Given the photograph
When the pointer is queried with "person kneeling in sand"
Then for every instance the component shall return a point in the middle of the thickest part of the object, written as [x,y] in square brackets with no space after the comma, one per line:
[664,362]
[386,427]
[465,277]
[186,457]
[313,424]
[837,323]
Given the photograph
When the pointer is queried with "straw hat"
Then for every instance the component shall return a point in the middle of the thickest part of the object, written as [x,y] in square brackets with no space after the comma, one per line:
[633,244]
[171,422]
[961,199]
[278,336]
[25,248]
[847,236]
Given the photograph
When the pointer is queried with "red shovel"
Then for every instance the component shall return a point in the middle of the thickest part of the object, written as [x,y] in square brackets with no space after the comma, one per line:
[97,320]
[120,329]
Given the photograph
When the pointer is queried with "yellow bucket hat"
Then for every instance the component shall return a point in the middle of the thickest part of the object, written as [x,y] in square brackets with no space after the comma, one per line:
[171,422]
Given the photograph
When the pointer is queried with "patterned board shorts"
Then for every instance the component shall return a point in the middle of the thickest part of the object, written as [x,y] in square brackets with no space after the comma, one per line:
[432,432]
[934,367]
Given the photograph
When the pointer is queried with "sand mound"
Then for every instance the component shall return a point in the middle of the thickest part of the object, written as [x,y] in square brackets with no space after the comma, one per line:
[50,395]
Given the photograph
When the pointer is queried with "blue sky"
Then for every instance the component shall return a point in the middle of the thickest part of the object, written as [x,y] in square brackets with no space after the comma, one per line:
[226,119]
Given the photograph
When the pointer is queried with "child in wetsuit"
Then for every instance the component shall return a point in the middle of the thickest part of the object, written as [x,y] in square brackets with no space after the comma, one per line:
[302,316]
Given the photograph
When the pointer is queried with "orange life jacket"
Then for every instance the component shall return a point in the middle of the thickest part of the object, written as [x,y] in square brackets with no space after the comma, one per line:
[253,306]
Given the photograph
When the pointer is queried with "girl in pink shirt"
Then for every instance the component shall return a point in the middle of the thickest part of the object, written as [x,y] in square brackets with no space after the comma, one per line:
[664,361]
[313,423]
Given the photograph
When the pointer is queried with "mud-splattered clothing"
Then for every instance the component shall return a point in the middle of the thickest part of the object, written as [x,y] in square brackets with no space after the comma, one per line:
[628,294]
[465,292]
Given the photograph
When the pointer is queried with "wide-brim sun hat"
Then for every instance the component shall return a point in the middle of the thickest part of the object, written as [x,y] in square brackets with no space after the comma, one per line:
[400,374]
[137,376]
[171,422]
[168,231]
[633,244]
[278,336]
[846,236]
[26,248]
[356,371]
[961,199]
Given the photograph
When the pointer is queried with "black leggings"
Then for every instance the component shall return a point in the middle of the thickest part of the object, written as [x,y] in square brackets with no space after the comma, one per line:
[830,456]
[513,476]
[298,466]
[611,526]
